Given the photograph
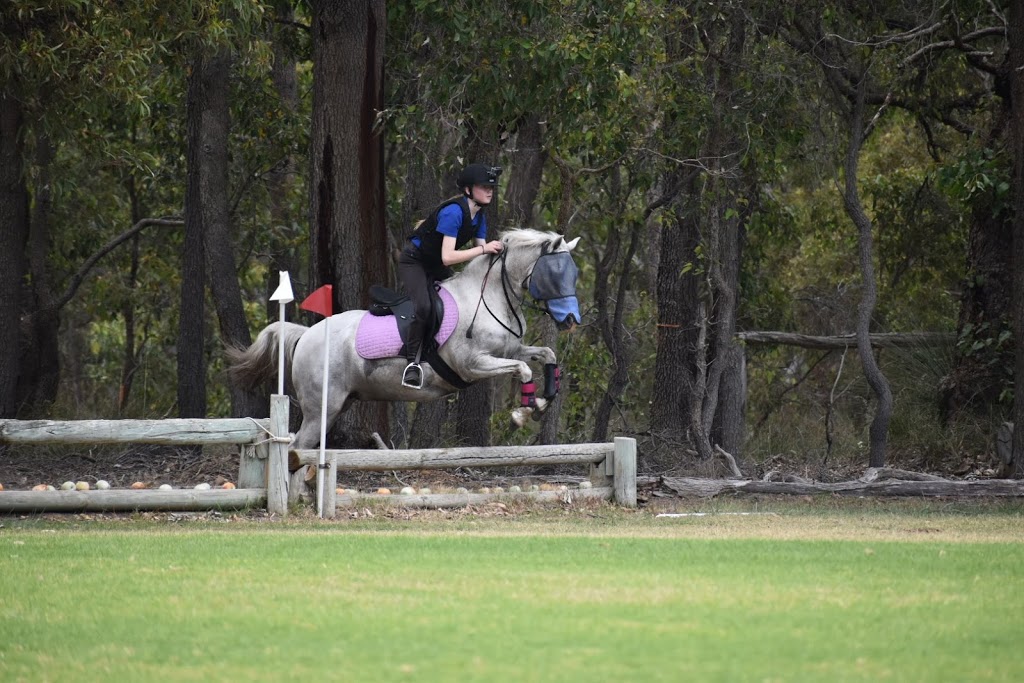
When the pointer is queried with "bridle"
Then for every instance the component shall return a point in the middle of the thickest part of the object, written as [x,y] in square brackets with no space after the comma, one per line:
[508,289]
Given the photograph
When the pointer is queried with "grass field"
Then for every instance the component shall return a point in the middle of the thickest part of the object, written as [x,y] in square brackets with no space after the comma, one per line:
[858,591]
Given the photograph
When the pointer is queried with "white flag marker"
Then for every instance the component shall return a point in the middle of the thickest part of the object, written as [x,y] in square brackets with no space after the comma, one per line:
[282,295]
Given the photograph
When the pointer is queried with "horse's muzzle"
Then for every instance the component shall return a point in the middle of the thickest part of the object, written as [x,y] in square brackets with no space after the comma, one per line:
[565,311]
[568,324]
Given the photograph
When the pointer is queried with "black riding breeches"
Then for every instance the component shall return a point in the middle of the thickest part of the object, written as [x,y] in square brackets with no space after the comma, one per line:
[418,284]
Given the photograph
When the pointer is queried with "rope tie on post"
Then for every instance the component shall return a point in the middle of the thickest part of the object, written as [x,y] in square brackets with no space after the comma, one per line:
[272,438]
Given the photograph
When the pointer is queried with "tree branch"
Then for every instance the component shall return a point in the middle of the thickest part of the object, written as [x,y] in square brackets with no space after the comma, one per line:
[76,280]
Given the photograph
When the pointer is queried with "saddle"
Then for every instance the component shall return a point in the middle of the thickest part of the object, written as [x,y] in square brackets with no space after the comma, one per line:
[385,301]
[383,329]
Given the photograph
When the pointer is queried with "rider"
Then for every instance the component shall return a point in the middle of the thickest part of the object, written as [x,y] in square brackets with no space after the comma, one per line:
[435,246]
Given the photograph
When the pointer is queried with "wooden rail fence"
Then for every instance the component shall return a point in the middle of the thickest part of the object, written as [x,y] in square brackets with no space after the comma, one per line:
[265,462]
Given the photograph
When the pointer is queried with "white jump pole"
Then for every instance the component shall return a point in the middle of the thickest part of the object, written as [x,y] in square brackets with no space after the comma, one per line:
[277,464]
[321,302]
[323,423]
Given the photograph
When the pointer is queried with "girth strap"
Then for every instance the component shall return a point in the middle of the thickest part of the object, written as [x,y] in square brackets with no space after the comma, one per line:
[432,357]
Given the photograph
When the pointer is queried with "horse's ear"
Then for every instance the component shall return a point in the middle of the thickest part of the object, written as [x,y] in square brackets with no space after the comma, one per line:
[571,244]
[556,243]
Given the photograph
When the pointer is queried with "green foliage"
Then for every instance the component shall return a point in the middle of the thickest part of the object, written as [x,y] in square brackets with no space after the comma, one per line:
[629,97]
[980,176]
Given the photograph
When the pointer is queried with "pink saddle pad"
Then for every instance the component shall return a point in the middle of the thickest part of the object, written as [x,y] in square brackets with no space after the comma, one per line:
[377,335]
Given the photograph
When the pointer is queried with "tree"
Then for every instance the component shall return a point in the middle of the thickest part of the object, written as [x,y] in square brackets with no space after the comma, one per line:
[348,238]
[205,205]
[1015,33]
[881,58]
[60,63]
[14,204]
[859,130]
[698,270]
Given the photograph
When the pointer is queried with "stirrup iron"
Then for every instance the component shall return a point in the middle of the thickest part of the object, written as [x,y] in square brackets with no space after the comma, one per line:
[406,382]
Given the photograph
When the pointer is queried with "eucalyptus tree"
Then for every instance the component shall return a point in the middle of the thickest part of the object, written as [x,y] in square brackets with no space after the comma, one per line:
[1015,30]
[209,244]
[927,60]
[720,92]
[60,63]
[556,91]
[348,240]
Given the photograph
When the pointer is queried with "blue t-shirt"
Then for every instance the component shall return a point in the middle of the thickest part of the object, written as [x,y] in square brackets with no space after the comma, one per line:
[449,220]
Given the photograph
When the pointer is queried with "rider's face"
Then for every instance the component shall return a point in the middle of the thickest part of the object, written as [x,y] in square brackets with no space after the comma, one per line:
[482,194]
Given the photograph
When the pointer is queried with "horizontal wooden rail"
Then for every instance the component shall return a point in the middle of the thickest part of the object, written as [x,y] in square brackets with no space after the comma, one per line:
[176,432]
[444,458]
[455,500]
[130,500]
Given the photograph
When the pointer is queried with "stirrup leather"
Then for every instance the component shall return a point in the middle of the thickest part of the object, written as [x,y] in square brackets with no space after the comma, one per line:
[406,382]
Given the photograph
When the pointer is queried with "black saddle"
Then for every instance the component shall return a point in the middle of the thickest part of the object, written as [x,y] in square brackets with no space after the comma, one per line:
[386,301]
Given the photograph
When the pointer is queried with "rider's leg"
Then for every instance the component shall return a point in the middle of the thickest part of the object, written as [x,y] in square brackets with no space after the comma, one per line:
[416,284]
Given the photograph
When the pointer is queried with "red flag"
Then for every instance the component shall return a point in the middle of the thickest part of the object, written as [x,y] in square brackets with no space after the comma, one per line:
[320,301]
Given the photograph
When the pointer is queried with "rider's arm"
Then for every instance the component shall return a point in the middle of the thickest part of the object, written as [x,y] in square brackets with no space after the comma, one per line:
[450,255]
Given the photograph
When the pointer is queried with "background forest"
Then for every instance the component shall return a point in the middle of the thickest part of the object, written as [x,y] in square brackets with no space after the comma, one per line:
[841,174]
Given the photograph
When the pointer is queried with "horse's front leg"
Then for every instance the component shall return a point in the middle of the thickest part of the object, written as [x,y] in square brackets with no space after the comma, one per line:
[484,367]
[552,379]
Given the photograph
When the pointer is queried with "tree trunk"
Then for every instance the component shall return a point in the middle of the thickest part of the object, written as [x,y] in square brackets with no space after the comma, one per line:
[976,379]
[40,361]
[214,192]
[676,294]
[191,321]
[14,217]
[524,185]
[281,179]
[129,357]
[348,235]
[879,431]
[611,323]
[527,172]
[1015,33]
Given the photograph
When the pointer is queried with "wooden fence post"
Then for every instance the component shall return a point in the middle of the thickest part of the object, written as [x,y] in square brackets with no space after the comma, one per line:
[330,503]
[277,462]
[625,471]
[252,465]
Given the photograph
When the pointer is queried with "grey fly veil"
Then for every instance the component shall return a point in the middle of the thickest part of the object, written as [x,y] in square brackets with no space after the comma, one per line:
[553,281]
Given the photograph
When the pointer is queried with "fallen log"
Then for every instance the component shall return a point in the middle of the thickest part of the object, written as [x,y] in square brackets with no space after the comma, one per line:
[688,487]
[879,340]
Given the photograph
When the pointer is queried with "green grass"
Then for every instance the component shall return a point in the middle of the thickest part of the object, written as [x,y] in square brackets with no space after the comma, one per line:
[601,595]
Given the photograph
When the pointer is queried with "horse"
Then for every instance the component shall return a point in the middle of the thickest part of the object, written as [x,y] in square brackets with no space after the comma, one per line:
[484,339]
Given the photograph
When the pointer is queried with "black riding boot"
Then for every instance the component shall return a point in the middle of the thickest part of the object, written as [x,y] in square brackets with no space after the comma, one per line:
[412,376]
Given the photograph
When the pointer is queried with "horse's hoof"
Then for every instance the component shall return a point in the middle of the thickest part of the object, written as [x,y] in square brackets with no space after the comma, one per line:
[519,417]
[537,414]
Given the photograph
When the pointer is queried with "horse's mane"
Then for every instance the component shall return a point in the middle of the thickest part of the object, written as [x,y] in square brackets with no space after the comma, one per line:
[517,238]
[527,237]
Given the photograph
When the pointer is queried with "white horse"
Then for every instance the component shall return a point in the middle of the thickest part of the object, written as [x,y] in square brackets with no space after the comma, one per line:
[485,342]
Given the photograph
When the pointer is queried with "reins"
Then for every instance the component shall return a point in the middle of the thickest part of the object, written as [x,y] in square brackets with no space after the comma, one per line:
[506,285]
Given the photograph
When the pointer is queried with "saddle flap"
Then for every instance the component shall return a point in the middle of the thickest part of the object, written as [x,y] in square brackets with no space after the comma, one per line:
[379,336]
[385,297]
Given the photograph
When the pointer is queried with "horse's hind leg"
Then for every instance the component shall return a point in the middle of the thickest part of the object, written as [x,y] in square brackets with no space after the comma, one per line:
[308,435]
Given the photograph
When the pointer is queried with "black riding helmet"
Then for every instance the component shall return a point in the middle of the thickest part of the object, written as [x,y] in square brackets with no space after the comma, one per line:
[478,174]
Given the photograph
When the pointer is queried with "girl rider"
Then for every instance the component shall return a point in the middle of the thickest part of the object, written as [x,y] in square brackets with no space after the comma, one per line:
[435,246]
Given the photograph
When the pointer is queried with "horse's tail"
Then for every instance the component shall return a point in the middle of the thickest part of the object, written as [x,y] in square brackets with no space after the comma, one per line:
[253,367]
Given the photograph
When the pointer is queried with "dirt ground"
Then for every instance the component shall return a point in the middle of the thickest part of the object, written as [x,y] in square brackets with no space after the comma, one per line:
[23,467]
